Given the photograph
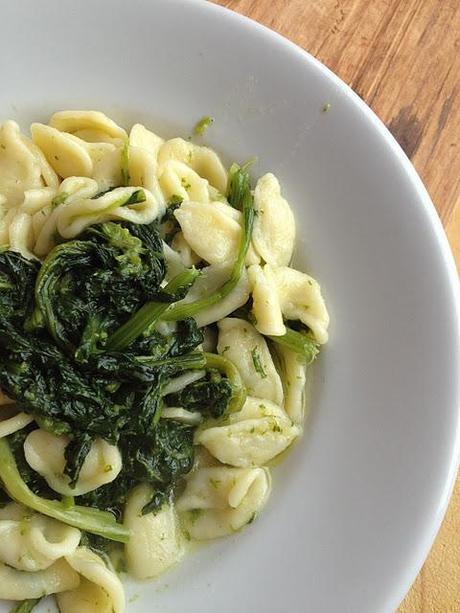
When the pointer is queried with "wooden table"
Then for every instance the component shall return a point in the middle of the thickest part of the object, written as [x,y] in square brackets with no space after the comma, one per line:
[403,59]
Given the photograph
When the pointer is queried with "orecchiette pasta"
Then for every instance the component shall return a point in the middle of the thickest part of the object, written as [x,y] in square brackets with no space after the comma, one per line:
[156,541]
[211,278]
[191,418]
[14,423]
[294,379]
[204,161]
[188,257]
[179,180]
[250,437]
[265,302]
[300,298]
[220,500]
[22,166]
[73,215]
[31,542]
[44,453]
[100,589]
[212,233]
[94,121]
[240,342]
[142,159]
[19,585]
[274,226]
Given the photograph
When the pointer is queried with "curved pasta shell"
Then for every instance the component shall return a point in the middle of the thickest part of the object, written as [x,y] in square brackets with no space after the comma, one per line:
[19,585]
[294,379]
[179,180]
[65,153]
[74,121]
[211,279]
[300,298]
[100,590]
[219,500]
[143,153]
[240,342]
[44,452]
[273,235]
[186,254]
[156,543]
[203,160]
[265,303]
[20,169]
[32,542]
[250,437]
[14,423]
[211,232]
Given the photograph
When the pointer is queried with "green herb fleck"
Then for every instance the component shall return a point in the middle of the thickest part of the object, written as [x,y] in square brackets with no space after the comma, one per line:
[202,125]
[256,360]
[59,199]
[326,107]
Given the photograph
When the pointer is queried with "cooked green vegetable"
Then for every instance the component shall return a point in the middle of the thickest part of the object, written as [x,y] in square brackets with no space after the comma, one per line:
[72,354]
[26,606]
[258,363]
[300,342]
[202,125]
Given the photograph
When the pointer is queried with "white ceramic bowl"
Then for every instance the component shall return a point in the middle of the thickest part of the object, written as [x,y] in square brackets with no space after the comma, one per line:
[356,505]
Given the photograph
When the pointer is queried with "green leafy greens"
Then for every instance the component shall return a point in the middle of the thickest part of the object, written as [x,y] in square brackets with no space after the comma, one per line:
[82,349]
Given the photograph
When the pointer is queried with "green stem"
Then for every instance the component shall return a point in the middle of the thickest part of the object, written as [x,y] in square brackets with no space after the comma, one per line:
[229,369]
[179,311]
[190,361]
[149,313]
[89,519]
[302,344]
[26,606]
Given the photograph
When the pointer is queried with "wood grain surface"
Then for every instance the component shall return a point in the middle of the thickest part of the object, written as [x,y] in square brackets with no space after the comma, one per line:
[403,59]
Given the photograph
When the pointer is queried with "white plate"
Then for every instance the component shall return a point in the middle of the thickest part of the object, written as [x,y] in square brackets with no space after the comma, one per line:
[356,505]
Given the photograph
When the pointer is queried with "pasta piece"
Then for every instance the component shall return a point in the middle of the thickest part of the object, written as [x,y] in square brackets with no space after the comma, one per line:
[179,180]
[211,279]
[179,383]
[294,379]
[22,166]
[191,418]
[273,235]
[143,153]
[265,303]
[77,213]
[156,543]
[219,500]
[32,542]
[100,590]
[37,199]
[250,437]
[44,452]
[174,264]
[188,257]
[240,342]
[300,298]
[203,160]
[14,423]
[20,585]
[95,121]
[21,234]
[66,153]
[212,233]
[71,156]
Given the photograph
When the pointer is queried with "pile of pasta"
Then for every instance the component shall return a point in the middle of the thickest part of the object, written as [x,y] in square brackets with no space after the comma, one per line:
[82,169]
